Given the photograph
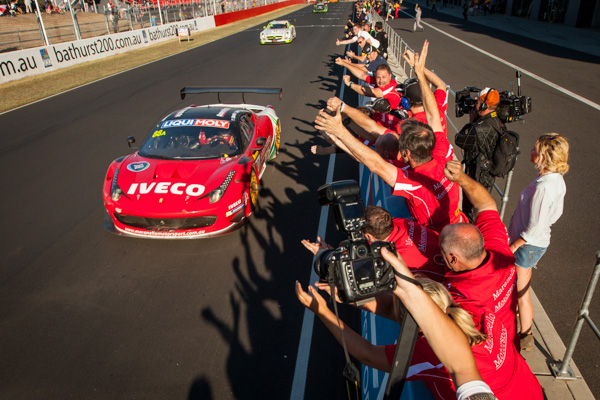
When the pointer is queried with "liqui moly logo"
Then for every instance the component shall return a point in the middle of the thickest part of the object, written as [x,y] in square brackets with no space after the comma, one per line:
[216,123]
[166,187]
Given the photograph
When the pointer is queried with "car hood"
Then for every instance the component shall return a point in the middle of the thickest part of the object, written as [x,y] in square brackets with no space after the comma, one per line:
[276,31]
[169,184]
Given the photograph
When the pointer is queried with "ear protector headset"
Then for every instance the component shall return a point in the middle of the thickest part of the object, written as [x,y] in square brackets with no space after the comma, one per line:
[484,105]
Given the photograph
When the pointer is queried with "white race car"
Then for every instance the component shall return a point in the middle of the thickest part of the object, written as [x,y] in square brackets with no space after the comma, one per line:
[278,32]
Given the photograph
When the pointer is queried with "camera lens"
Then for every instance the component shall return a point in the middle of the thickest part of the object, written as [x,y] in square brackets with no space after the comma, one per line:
[322,261]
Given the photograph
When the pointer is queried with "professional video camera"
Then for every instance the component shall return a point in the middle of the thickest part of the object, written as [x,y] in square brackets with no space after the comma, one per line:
[510,108]
[357,268]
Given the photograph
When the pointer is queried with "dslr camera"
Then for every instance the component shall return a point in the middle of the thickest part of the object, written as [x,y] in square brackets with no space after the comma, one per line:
[357,268]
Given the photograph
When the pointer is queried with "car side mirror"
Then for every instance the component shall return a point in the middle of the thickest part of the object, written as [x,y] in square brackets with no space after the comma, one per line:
[130,141]
[260,142]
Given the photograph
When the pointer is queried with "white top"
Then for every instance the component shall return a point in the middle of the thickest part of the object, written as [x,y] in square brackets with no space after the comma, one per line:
[540,206]
[368,38]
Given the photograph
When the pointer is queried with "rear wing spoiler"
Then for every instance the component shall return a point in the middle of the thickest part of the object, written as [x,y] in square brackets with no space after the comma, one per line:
[219,90]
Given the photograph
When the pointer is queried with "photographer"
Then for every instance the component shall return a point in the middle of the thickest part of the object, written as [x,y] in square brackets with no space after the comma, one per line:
[449,338]
[478,139]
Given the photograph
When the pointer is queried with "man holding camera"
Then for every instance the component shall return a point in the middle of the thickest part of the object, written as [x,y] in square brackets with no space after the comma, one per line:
[478,139]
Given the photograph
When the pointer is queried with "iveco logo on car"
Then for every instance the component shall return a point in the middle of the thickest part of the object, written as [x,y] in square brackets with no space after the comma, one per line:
[138,166]
[166,187]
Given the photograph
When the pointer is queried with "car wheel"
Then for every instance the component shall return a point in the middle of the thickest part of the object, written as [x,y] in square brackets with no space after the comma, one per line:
[253,190]
[277,136]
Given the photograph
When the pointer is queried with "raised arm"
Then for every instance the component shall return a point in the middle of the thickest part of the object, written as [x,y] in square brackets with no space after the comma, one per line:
[332,125]
[429,104]
[372,128]
[479,197]
[435,80]
[446,339]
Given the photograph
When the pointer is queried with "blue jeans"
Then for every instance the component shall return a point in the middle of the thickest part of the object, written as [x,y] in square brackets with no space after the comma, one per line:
[527,256]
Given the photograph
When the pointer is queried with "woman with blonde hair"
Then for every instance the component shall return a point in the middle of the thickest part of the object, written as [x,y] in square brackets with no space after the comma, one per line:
[540,206]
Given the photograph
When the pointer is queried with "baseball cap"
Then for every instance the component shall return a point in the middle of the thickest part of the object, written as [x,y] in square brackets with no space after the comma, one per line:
[412,91]
[489,96]
[368,49]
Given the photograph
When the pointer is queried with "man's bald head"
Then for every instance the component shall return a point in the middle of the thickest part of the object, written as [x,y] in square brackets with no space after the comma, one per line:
[464,241]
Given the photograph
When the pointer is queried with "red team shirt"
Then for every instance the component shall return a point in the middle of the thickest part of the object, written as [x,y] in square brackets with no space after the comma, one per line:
[491,287]
[419,247]
[390,94]
[431,198]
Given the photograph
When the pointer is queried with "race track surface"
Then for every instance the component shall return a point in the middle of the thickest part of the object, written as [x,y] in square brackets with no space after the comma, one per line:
[89,314]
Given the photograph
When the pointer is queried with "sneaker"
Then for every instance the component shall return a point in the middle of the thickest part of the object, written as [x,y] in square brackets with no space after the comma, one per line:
[527,341]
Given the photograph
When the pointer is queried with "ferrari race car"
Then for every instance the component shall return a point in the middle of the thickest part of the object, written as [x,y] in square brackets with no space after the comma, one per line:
[278,32]
[320,8]
[197,172]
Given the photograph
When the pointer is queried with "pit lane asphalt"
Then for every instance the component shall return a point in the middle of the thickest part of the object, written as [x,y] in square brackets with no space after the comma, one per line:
[87,314]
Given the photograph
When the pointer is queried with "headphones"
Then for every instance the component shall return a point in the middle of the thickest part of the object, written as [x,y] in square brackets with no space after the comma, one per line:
[484,105]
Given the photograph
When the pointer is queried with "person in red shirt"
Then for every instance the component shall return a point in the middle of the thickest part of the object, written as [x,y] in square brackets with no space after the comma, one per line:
[446,341]
[418,245]
[379,85]
[481,275]
[431,198]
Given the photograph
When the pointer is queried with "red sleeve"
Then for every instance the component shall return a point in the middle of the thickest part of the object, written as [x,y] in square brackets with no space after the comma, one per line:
[442,147]
[494,232]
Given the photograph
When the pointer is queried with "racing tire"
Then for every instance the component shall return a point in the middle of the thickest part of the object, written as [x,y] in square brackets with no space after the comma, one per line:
[253,190]
[277,136]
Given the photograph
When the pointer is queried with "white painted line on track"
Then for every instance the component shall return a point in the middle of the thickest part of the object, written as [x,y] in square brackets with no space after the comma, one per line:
[523,71]
[299,382]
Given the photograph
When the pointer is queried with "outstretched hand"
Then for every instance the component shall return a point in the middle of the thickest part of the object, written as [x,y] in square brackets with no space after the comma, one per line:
[313,301]
[420,59]
[400,267]
[330,124]
[315,247]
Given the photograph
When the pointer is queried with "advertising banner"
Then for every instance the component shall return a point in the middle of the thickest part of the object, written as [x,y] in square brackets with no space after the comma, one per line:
[19,64]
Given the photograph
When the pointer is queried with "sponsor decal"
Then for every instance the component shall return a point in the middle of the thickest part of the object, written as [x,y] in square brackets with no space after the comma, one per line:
[159,133]
[46,58]
[235,210]
[237,203]
[223,112]
[163,233]
[138,166]
[216,123]
[166,187]
[224,159]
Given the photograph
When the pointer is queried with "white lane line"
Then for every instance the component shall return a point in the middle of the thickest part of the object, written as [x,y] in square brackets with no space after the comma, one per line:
[299,382]
[523,71]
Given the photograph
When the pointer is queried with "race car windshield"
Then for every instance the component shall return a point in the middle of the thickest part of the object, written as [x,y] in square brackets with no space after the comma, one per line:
[189,140]
[277,26]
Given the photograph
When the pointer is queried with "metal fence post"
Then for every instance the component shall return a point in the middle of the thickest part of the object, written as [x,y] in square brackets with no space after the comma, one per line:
[562,370]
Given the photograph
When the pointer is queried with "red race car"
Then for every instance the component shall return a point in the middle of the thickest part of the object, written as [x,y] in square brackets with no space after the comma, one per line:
[197,172]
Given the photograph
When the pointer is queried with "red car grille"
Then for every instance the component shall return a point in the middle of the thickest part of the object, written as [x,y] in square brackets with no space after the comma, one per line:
[166,224]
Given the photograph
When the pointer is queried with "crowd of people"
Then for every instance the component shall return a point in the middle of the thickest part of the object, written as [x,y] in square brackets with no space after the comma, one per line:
[472,303]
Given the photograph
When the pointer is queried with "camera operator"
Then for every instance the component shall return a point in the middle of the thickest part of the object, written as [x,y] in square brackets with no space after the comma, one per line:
[449,338]
[478,139]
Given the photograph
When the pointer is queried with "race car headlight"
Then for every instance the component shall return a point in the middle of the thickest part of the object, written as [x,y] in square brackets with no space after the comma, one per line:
[263,35]
[115,190]
[216,194]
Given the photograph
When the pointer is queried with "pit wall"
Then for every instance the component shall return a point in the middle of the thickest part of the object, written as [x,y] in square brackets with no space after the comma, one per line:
[39,60]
